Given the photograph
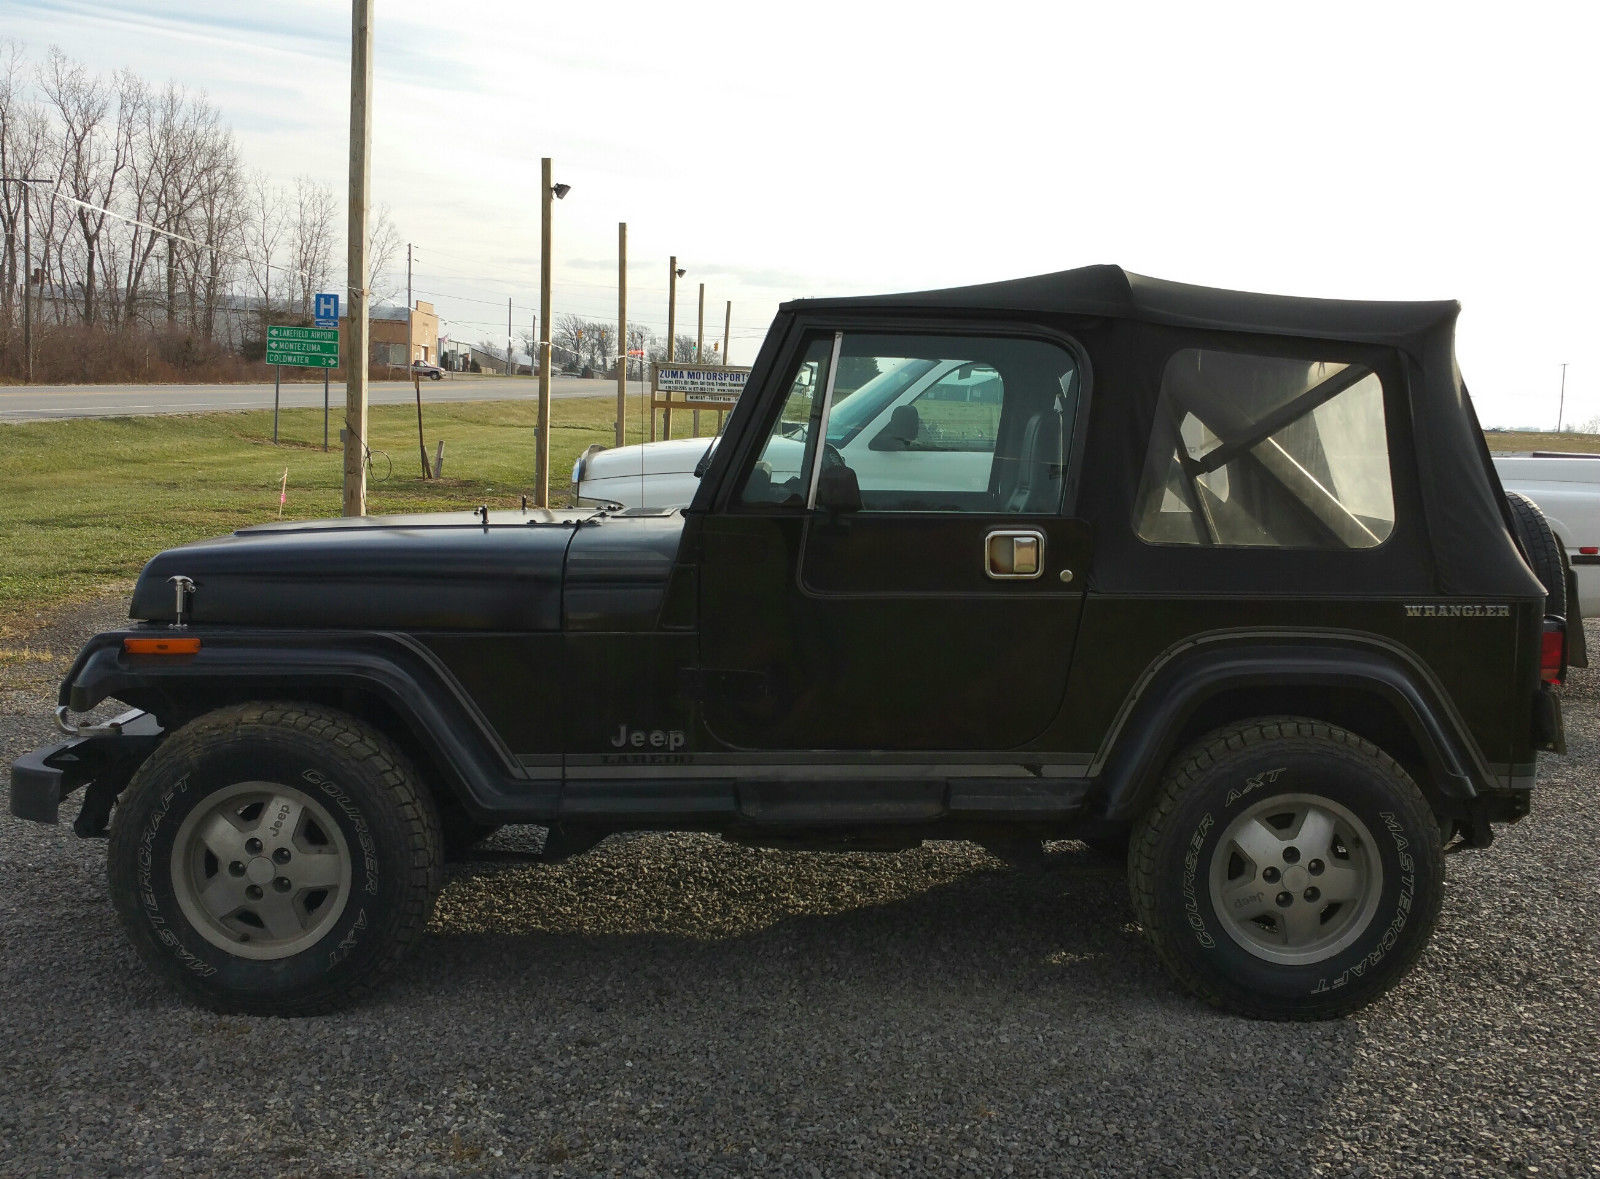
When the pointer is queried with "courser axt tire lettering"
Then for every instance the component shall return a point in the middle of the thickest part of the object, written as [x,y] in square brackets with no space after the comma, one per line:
[274,858]
[1287,870]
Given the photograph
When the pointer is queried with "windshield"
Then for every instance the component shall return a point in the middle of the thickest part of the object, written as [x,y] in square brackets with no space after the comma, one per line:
[850,415]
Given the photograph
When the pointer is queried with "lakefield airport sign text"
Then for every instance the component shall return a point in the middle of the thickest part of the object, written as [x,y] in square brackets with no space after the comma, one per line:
[701,384]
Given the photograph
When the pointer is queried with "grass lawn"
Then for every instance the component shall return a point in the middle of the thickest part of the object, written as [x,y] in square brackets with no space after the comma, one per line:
[84,503]
[1587,443]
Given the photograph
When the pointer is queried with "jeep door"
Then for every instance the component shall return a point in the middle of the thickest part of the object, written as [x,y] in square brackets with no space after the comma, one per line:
[925,602]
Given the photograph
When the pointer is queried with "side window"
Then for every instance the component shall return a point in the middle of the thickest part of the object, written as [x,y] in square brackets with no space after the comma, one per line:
[935,423]
[959,411]
[781,472]
[1266,451]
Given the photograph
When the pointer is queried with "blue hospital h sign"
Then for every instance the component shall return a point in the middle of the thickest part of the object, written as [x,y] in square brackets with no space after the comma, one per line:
[327,307]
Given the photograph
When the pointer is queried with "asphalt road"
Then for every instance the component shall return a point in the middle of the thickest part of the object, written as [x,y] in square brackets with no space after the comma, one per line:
[40,402]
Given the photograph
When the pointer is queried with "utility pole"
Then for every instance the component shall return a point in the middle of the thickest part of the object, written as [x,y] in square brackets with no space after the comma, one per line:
[672,305]
[1561,410]
[411,332]
[355,398]
[27,283]
[727,331]
[672,342]
[509,365]
[700,329]
[541,489]
[622,327]
[27,267]
[699,351]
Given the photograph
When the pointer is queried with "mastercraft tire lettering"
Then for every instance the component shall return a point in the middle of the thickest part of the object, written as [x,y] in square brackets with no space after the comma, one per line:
[1288,870]
[274,859]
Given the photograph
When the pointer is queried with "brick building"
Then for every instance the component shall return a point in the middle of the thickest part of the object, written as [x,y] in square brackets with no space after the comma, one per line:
[387,327]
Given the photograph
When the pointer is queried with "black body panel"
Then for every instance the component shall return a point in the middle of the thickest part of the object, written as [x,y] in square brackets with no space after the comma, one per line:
[617,571]
[448,571]
[399,673]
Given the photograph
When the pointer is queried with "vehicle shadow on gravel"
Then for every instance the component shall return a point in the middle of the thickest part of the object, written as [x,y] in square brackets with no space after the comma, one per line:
[938,992]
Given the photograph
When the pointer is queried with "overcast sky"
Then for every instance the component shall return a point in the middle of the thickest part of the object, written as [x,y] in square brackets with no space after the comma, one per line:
[1368,151]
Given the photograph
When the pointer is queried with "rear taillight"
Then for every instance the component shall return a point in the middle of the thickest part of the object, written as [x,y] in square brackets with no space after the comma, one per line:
[1553,651]
[1589,550]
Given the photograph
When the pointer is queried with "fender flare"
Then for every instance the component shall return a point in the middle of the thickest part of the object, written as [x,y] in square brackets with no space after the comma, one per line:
[1145,736]
[473,762]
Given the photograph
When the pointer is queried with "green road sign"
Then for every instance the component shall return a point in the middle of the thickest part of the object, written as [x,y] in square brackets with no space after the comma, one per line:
[307,347]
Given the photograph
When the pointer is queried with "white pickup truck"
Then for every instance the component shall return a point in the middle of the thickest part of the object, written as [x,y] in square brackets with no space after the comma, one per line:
[1566,486]
[921,403]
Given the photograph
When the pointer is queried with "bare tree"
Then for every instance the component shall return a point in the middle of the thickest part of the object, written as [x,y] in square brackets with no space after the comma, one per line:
[568,332]
[22,153]
[264,233]
[601,341]
[383,247]
[88,168]
[312,233]
[164,182]
[641,340]
[218,221]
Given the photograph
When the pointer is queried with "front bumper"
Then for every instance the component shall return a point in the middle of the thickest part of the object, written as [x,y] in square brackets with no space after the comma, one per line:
[103,761]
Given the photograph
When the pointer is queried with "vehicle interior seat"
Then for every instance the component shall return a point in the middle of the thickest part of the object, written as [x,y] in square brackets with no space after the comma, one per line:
[1032,481]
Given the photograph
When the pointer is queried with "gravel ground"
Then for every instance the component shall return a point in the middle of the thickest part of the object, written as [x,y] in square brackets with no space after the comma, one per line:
[672,1005]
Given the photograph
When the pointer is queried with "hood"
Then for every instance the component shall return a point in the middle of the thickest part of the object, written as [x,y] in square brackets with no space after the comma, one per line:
[670,456]
[447,571]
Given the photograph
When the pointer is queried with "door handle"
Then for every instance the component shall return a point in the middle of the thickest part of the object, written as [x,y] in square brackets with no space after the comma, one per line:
[1014,554]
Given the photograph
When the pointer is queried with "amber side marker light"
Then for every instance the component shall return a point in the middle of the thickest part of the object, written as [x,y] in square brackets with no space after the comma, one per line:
[175,646]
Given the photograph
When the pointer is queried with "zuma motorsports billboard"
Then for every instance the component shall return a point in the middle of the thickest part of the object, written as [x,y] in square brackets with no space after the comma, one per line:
[700,384]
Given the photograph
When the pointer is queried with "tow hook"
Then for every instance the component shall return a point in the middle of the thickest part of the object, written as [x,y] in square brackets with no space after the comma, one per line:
[112,728]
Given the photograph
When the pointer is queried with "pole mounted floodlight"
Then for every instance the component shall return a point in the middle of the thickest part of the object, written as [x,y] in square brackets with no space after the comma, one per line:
[681,272]
[561,191]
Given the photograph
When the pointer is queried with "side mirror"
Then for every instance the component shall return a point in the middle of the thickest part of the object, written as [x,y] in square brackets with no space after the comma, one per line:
[838,490]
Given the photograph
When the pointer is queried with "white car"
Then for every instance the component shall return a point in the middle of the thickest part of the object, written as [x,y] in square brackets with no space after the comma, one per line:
[1566,487]
[915,405]
[911,404]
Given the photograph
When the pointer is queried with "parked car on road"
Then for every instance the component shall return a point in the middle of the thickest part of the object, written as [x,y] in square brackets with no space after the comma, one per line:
[1223,579]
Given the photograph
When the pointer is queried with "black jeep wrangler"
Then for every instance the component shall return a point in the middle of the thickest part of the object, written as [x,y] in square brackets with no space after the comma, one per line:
[1224,580]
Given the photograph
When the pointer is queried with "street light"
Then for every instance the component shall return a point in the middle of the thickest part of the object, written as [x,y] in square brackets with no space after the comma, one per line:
[547,189]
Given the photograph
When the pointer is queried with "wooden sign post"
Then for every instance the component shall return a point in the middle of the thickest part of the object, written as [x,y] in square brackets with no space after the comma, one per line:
[693,387]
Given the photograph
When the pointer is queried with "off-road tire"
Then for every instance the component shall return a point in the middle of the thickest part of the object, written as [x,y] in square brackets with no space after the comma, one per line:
[360,779]
[1234,772]
[1543,549]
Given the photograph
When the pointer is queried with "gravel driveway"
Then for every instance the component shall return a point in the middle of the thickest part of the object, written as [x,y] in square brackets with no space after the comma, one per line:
[673,1005]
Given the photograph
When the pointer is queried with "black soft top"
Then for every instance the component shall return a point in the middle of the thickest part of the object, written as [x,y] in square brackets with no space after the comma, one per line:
[1454,536]
[1114,292]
